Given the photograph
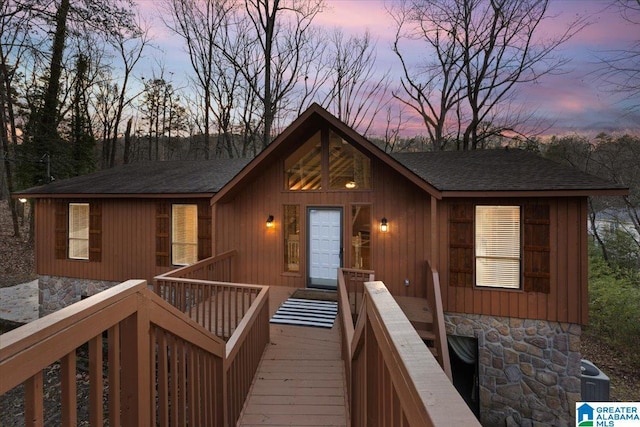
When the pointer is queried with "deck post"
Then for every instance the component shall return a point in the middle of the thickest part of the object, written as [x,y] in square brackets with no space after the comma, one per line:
[135,368]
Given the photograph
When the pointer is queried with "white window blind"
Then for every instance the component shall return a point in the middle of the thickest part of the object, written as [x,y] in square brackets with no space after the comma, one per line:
[184,234]
[497,244]
[79,230]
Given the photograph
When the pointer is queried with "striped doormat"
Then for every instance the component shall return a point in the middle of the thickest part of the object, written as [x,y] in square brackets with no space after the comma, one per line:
[305,312]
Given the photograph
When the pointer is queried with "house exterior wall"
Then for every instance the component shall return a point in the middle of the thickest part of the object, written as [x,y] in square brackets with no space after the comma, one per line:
[529,370]
[396,255]
[128,247]
[567,300]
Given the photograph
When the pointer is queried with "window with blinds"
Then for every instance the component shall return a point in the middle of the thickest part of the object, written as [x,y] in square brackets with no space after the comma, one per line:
[497,246]
[184,234]
[79,230]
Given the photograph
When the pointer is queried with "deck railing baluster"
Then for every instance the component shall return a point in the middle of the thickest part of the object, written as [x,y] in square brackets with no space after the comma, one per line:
[68,389]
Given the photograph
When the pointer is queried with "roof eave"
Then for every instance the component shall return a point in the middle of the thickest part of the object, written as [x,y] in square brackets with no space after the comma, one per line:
[17,195]
[536,193]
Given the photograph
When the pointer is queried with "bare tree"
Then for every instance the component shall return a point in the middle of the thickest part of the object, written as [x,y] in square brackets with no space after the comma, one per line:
[202,24]
[357,90]
[281,35]
[615,159]
[15,21]
[482,50]
[434,87]
[243,51]
[129,41]
[620,69]
[162,113]
[501,51]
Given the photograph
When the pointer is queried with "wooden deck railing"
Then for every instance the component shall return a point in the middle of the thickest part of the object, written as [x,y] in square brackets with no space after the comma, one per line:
[220,268]
[237,313]
[392,378]
[434,298]
[161,368]
[350,299]
[353,281]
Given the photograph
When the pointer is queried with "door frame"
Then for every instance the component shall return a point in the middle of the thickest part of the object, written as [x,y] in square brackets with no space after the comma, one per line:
[340,210]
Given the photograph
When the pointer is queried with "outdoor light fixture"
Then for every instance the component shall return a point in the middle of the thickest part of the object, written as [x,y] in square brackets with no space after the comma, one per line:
[350,185]
[384,227]
[22,200]
[270,221]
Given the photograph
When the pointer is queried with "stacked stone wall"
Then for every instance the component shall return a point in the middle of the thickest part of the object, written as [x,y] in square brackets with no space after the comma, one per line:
[59,292]
[529,370]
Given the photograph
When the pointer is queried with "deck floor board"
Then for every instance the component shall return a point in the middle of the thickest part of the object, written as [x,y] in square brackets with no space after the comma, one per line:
[300,380]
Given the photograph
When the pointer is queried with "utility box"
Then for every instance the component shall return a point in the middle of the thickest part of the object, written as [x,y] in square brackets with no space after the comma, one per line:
[594,383]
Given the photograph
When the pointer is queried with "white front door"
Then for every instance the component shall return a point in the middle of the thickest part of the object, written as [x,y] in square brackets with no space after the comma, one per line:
[325,247]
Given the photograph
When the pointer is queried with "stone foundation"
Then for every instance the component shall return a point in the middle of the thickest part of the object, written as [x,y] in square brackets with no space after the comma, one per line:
[58,292]
[529,369]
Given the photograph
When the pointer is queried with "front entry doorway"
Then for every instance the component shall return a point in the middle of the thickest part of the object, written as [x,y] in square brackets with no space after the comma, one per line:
[325,247]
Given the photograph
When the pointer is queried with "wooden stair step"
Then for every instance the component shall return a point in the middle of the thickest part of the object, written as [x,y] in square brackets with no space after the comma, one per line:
[426,335]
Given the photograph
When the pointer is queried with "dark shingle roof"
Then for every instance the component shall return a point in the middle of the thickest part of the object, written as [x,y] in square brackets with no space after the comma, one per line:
[172,177]
[498,170]
[481,171]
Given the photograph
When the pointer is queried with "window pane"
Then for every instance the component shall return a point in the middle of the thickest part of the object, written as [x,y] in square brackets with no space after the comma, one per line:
[79,230]
[504,273]
[303,169]
[184,234]
[498,246]
[360,237]
[349,169]
[291,238]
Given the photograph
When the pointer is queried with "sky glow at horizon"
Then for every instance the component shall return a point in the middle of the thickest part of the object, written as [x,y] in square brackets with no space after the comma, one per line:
[572,102]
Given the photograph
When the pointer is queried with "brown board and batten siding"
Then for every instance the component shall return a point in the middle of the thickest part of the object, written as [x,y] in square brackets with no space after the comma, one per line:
[395,256]
[554,280]
[124,246]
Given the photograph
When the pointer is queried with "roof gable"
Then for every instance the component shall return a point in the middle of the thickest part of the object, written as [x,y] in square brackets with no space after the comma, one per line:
[309,122]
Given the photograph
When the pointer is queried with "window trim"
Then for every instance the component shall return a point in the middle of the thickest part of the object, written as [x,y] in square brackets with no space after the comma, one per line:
[536,240]
[77,238]
[173,243]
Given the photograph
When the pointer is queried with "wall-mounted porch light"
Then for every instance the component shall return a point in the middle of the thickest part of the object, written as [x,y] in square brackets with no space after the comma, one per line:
[384,227]
[350,185]
[270,221]
[22,200]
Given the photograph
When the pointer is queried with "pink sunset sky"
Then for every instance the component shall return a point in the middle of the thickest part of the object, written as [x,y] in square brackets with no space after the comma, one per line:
[572,102]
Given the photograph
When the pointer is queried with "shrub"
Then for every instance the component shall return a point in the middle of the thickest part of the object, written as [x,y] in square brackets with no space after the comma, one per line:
[614,305]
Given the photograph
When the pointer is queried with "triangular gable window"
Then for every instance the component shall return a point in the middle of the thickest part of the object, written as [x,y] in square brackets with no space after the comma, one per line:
[304,167]
[349,169]
[331,163]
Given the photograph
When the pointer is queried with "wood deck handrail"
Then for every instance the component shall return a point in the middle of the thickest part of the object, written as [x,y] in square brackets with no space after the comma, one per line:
[237,313]
[435,301]
[218,268]
[243,353]
[160,342]
[395,378]
[392,377]
[164,365]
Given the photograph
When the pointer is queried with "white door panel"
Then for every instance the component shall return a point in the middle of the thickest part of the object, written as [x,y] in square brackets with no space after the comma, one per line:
[325,243]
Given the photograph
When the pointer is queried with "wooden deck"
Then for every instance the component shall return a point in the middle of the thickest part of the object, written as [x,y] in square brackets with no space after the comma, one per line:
[300,380]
